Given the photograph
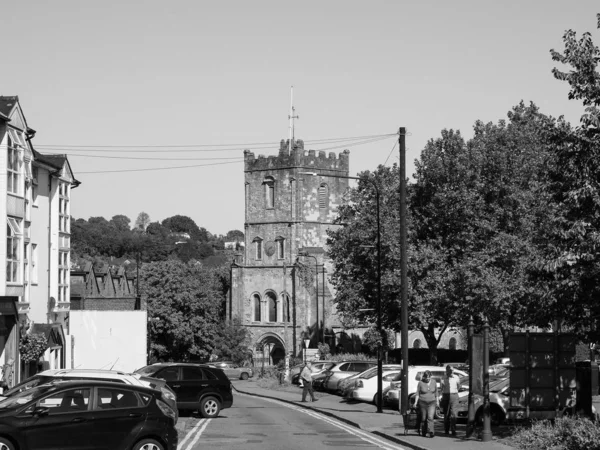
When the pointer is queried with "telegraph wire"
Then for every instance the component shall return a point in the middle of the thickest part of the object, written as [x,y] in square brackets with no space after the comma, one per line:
[193,147]
[392,151]
[75,153]
[160,168]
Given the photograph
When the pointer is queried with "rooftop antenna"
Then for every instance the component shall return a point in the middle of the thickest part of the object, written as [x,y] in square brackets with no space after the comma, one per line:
[291,117]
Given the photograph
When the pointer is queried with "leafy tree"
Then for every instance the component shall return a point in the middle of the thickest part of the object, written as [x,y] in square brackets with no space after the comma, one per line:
[183,224]
[235,235]
[570,240]
[142,221]
[185,303]
[121,223]
[233,342]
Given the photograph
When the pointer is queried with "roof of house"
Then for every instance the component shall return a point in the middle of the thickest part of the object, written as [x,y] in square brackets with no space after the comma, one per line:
[7,103]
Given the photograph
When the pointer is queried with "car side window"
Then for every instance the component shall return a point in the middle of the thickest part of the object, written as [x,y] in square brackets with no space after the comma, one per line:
[168,374]
[345,367]
[110,398]
[209,375]
[72,400]
[191,374]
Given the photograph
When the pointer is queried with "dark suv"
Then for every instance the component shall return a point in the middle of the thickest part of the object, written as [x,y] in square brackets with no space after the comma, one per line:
[197,386]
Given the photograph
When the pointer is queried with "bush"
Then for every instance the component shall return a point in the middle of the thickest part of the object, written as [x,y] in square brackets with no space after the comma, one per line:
[351,356]
[567,433]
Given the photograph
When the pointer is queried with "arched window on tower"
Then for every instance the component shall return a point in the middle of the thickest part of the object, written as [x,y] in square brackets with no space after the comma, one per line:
[271,307]
[269,183]
[280,241]
[256,308]
[323,196]
[258,247]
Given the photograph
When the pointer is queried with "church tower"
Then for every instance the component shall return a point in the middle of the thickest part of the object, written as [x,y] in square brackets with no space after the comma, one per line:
[279,287]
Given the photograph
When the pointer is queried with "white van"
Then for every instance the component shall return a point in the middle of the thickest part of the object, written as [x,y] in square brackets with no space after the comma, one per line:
[392,396]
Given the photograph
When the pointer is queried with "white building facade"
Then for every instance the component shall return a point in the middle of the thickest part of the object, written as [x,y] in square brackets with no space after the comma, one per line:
[35,204]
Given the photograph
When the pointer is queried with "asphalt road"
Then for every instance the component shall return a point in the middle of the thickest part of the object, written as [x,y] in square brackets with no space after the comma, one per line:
[263,424]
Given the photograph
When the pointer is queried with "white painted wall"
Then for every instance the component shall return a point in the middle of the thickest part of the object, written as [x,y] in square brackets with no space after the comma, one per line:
[105,339]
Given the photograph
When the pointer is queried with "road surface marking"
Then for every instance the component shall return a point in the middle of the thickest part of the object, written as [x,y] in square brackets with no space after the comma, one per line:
[364,435]
[201,423]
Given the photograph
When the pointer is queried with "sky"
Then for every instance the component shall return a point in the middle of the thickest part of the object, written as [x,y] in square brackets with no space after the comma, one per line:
[113,84]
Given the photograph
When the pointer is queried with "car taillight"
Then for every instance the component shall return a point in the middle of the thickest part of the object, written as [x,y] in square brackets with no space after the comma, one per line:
[166,410]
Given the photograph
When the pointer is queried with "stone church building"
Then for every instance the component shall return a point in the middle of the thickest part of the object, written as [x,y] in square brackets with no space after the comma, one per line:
[280,285]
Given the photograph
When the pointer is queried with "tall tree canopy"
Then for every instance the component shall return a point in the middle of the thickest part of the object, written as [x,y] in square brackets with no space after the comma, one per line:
[185,309]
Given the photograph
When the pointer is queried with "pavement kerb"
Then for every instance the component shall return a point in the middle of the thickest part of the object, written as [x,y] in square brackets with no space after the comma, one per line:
[341,419]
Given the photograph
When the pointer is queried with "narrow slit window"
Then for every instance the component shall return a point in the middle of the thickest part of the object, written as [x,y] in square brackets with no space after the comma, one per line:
[270,191]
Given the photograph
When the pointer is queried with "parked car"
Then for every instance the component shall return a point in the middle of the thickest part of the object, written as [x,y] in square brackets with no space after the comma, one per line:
[343,369]
[317,368]
[116,376]
[346,385]
[198,386]
[392,395]
[234,371]
[499,402]
[499,369]
[75,415]
[365,387]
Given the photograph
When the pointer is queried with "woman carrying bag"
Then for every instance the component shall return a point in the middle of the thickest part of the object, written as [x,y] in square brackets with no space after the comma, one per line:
[427,399]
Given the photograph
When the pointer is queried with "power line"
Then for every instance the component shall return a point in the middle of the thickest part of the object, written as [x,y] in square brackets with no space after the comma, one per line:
[161,168]
[392,151]
[194,147]
[85,155]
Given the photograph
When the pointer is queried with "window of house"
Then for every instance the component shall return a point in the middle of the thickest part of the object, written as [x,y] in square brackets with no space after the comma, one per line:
[63,275]
[14,235]
[258,248]
[34,257]
[323,196]
[269,191]
[34,186]
[272,307]
[280,247]
[256,308]
[63,207]
[13,166]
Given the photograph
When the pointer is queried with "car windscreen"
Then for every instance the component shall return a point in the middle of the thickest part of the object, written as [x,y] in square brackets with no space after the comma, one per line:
[29,383]
[20,398]
[148,370]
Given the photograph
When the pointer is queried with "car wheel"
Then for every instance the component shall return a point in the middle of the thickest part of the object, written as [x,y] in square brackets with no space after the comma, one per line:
[146,444]
[5,444]
[244,376]
[496,416]
[209,407]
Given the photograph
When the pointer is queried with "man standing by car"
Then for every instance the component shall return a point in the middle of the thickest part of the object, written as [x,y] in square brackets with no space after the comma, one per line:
[450,385]
[306,377]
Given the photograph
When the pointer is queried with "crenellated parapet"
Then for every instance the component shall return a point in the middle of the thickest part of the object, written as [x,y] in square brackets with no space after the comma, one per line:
[298,157]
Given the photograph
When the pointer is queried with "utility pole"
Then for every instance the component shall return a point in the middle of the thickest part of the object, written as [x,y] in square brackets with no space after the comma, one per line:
[403,272]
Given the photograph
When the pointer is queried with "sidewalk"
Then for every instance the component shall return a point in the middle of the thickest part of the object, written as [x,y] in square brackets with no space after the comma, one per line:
[387,424]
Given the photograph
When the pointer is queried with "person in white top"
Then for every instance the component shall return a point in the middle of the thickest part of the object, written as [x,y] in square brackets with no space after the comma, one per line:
[450,385]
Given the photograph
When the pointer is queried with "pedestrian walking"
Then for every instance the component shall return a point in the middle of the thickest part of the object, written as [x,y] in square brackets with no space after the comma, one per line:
[450,385]
[306,377]
[426,399]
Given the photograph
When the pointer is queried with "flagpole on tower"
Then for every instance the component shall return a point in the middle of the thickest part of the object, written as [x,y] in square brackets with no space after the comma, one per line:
[291,117]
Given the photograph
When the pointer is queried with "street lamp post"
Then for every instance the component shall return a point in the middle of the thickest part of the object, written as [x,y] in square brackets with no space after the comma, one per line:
[403,272]
[379,345]
[305,254]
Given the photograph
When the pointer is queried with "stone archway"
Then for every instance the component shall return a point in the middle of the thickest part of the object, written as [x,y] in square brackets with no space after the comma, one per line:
[271,346]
